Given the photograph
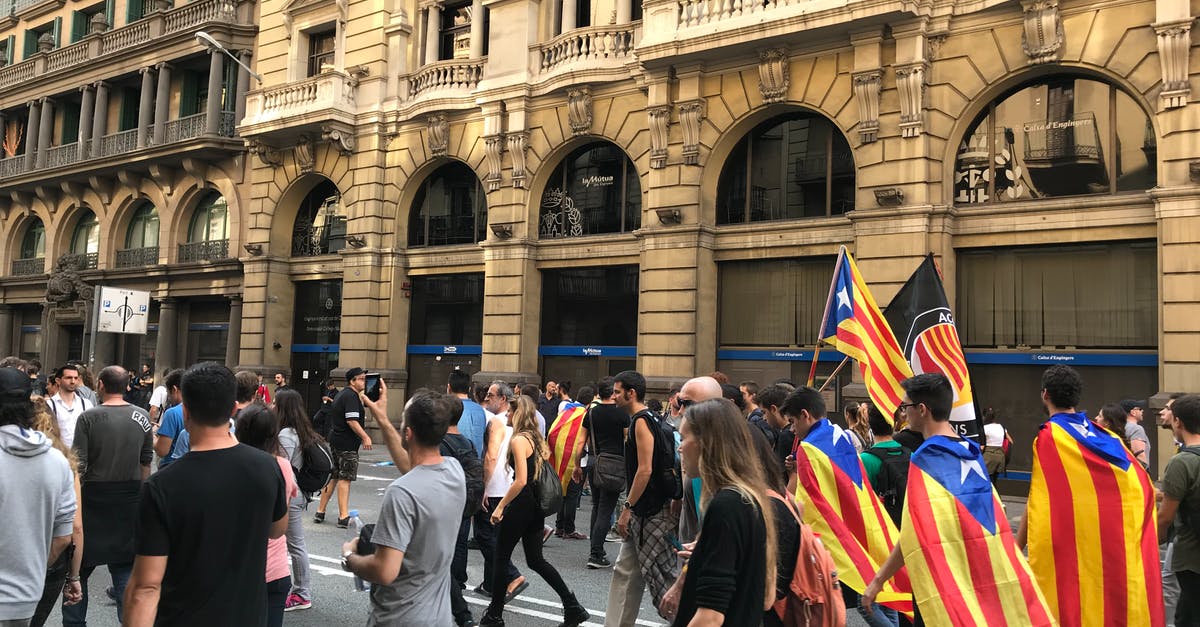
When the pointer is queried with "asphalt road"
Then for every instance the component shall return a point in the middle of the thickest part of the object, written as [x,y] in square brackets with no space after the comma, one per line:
[337,603]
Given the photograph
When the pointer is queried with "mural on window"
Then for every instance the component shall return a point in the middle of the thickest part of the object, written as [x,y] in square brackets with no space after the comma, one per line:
[792,166]
[1063,136]
[594,190]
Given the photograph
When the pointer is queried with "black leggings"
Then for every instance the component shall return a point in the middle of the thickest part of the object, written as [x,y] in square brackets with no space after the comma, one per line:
[522,522]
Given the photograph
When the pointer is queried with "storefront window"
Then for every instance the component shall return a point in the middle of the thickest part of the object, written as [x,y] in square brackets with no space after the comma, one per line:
[793,166]
[586,306]
[594,190]
[1063,136]
[446,309]
[775,303]
[450,208]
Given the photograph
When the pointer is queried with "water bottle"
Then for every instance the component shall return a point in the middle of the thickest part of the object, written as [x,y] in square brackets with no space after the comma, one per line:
[354,529]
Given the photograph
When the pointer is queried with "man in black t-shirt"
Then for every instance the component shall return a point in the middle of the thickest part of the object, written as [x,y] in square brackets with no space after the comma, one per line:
[604,429]
[204,521]
[345,416]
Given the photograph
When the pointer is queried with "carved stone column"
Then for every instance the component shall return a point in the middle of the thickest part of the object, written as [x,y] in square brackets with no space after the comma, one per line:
[31,133]
[690,115]
[569,20]
[866,92]
[233,344]
[45,127]
[243,86]
[433,28]
[162,103]
[166,345]
[477,29]
[625,11]
[1174,43]
[910,81]
[518,143]
[493,148]
[87,114]
[146,108]
[100,121]
[212,107]
[1042,37]
[660,125]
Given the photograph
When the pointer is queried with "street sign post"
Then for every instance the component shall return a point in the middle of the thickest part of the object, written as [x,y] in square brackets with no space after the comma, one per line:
[118,311]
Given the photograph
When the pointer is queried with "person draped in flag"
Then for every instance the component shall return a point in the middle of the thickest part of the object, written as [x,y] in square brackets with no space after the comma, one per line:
[1086,486]
[566,439]
[841,506]
[955,540]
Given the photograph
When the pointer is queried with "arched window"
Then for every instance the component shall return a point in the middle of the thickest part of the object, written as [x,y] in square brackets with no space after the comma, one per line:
[143,228]
[85,241]
[33,245]
[1057,136]
[208,232]
[450,208]
[594,190]
[797,165]
[320,223]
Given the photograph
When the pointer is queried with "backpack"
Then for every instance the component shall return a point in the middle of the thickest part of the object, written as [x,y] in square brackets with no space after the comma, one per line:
[462,450]
[666,478]
[316,467]
[892,480]
[321,423]
[814,595]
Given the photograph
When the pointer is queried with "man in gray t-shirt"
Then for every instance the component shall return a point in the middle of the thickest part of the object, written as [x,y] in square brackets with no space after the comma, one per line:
[416,532]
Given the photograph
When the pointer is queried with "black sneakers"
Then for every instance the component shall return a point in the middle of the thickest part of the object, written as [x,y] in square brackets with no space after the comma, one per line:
[598,562]
[319,517]
[342,523]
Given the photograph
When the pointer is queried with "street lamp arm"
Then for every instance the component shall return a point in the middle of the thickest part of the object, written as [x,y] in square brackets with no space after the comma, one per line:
[208,40]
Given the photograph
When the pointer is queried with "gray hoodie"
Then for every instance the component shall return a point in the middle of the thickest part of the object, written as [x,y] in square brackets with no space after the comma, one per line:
[37,501]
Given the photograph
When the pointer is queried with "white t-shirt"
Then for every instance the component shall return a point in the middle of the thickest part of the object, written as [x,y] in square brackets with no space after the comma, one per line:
[159,397]
[502,477]
[995,434]
[67,416]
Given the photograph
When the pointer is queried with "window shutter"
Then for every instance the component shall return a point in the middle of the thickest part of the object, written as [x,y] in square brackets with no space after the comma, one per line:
[10,50]
[110,10]
[130,101]
[30,43]
[133,11]
[70,125]
[57,33]
[79,23]
[188,95]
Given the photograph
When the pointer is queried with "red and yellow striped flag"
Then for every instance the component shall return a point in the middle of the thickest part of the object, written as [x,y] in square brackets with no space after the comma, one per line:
[957,544]
[855,326]
[846,513]
[1093,537]
[564,439]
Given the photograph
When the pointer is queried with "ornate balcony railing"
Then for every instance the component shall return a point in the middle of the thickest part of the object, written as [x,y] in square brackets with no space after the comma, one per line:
[62,155]
[186,127]
[1059,140]
[227,126]
[311,241]
[118,143]
[333,90]
[456,74]
[137,257]
[593,44]
[12,166]
[27,267]
[85,261]
[213,250]
[184,18]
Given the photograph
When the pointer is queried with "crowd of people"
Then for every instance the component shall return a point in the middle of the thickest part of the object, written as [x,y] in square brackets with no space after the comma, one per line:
[710,493]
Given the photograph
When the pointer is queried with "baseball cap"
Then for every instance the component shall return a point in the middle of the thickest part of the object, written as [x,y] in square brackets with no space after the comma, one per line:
[14,384]
[1130,404]
[353,372]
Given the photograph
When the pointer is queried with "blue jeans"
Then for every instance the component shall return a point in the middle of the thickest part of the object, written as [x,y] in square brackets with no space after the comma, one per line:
[76,615]
[879,616]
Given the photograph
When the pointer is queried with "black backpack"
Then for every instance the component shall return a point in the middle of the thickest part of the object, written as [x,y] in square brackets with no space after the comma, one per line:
[461,449]
[317,466]
[666,479]
[892,480]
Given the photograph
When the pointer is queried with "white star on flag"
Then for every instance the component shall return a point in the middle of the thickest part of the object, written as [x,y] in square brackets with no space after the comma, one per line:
[843,298]
[971,465]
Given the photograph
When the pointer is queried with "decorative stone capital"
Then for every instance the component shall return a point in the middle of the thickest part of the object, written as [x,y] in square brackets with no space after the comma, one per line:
[266,154]
[339,139]
[439,135]
[690,115]
[660,123]
[303,152]
[866,92]
[493,149]
[773,79]
[579,110]
[910,82]
[518,143]
[1042,37]
[1174,42]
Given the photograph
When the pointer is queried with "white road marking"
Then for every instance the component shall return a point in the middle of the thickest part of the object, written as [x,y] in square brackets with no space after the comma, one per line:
[373,478]
[555,604]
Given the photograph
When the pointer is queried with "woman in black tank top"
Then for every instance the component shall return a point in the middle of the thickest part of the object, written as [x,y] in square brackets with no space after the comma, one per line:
[518,518]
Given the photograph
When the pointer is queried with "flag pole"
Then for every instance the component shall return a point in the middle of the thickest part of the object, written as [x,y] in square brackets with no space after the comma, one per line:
[835,374]
[837,266]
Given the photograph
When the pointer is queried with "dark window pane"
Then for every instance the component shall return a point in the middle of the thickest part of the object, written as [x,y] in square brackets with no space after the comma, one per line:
[33,245]
[731,187]
[1137,147]
[449,208]
[772,303]
[597,306]
[86,238]
[320,227]
[318,317]
[589,192]
[446,309]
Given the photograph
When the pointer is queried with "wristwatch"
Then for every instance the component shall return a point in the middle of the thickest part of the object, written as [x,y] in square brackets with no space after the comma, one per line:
[346,560]
[628,504]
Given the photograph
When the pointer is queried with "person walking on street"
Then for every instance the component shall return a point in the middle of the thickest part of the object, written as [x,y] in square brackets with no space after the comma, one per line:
[996,443]
[346,416]
[37,492]
[604,431]
[519,518]
[295,435]
[68,405]
[499,404]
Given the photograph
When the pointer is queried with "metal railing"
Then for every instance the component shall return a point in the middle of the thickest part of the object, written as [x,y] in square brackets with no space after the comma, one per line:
[62,155]
[1057,140]
[85,261]
[12,166]
[593,43]
[137,257]
[204,251]
[118,143]
[27,267]
[227,126]
[456,74]
[311,241]
[186,127]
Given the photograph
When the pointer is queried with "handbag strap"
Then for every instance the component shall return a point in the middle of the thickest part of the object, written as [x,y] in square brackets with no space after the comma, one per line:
[591,430]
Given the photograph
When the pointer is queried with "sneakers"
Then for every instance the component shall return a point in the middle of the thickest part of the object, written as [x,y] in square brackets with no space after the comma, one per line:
[613,537]
[319,517]
[598,562]
[296,602]
[342,523]
[574,535]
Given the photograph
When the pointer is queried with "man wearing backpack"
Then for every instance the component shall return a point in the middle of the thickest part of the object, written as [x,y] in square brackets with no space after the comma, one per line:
[646,558]
[886,464]
[456,445]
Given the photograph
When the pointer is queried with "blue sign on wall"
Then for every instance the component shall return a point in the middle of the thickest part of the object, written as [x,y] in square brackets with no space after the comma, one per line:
[587,351]
[445,349]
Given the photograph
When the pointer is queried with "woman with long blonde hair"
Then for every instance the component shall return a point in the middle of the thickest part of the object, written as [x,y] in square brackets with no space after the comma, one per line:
[730,575]
[519,517]
[62,577]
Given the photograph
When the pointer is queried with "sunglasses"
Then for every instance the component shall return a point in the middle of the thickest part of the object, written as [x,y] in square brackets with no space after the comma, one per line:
[904,406]
[684,403]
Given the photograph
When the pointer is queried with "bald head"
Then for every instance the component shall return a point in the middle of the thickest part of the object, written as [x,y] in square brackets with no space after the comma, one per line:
[700,389]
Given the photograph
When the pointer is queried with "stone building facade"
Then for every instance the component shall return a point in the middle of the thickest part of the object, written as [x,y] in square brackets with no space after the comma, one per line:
[571,188]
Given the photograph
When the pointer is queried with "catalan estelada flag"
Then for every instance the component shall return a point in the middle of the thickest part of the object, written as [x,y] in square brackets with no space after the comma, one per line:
[565,437]
[846,513]
[854,325]
[958,547]
[1092,530]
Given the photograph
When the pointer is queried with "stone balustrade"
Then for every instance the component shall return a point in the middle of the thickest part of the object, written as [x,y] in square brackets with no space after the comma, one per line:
[591,44]
[452,74]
